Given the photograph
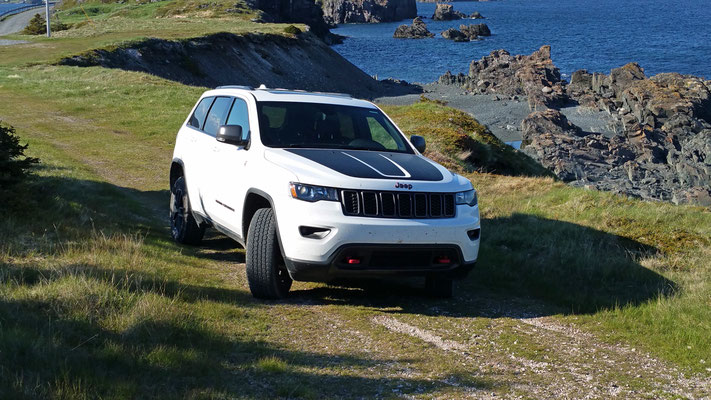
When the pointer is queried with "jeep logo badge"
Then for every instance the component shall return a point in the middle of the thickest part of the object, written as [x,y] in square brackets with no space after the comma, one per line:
[407,186]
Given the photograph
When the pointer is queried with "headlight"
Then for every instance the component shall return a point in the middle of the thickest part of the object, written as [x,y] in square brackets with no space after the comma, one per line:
[313,193]
[468,197]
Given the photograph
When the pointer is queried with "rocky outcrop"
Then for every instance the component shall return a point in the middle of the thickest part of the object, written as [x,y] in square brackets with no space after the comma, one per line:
[445,12]
[418,30]
[476,15]
[474,31]
[466,33]
[672,166]
[302,62]
[534,76]
[664,151]
[455,35]
[301,11]
[370,11]
[660,148]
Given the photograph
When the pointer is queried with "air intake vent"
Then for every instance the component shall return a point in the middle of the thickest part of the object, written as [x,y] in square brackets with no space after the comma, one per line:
[351,203]
[398,204]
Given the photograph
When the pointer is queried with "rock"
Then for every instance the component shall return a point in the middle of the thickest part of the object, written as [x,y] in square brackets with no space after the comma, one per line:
[476,15]
[474,31]
[302,11]
[445,12]
[453,34]
[371,11]
[502,73]
[418,30]
[663,151]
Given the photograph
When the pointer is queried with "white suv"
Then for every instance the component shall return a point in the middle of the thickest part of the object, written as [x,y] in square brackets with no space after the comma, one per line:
[319,186]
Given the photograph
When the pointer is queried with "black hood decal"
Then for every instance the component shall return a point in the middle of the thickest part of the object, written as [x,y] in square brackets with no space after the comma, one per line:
[373,164]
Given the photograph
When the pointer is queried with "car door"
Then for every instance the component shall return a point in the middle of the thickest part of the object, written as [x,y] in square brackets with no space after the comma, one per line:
[195,152]
[231,163]
[213,175]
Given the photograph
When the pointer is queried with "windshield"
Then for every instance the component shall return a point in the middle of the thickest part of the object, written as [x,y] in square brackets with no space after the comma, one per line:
[313,125]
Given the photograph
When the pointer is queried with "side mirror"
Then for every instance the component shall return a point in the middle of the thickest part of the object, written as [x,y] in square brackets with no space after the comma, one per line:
[231,134]
[418,142]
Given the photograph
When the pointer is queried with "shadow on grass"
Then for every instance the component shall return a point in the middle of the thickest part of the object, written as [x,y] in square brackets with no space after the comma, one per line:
[54,344]
[571,268]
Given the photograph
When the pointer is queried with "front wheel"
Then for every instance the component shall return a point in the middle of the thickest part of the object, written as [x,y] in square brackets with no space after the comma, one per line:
[266,273]
[183,227]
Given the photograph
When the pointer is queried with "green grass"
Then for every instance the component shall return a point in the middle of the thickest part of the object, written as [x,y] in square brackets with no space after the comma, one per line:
[96,302]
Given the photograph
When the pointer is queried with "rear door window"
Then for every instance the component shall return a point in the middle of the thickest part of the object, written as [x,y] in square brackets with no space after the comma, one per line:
[217,115]
[198,118]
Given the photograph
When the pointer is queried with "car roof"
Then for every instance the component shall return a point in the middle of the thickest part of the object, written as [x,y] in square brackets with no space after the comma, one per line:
[286,95]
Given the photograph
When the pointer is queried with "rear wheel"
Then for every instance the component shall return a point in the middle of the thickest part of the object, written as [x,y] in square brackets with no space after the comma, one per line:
[439,287]
[183,227]
[266,272]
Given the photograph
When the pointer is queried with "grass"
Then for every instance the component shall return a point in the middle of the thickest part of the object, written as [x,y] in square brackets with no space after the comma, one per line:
[96,302]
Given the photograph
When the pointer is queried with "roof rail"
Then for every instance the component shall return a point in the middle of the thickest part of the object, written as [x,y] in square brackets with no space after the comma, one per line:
[235,87]
[306,92]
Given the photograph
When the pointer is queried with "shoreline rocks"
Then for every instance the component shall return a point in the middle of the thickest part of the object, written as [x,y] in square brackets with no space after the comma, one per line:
[418,30]
[367,11]
[661,152]
[534,76]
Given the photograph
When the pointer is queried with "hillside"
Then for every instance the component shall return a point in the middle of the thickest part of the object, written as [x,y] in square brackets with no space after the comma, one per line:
[610,293]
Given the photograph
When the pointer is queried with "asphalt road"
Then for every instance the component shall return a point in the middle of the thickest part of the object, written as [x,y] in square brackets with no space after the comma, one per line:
[18,22]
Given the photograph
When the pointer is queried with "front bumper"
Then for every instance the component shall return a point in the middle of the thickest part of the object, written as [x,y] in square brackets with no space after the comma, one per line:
[386,246]
[383,261]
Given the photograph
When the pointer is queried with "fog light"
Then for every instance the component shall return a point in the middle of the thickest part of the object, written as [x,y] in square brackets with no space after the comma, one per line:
[312,232]
[352,260]
[473,234]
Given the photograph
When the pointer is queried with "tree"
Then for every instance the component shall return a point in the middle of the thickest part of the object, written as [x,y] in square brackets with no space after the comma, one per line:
[36,26]
[13,162]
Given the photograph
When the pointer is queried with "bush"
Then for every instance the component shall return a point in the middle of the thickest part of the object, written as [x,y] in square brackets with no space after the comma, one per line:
[37,26]
[292,30]
[13,162]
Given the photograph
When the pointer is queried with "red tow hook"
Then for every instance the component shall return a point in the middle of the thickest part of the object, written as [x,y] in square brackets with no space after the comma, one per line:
[443,260]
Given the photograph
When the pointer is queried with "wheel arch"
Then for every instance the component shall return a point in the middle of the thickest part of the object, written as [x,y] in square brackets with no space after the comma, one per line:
[253,201]
[177,169]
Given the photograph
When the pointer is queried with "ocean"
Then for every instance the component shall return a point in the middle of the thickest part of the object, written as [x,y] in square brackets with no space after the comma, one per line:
[7,7]
[661,35]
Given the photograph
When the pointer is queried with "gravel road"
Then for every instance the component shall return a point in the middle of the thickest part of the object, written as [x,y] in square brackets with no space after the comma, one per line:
[17,22]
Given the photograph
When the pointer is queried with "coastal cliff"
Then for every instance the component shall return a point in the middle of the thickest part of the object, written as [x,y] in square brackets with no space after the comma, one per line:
[301,11]
[302,61]
[371,11]
[658,149]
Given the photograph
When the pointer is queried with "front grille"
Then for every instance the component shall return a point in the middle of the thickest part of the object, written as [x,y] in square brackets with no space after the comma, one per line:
[397,204]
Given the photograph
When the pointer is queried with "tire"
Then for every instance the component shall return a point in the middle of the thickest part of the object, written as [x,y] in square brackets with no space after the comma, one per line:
[183,227]
[438,287]
[266,273]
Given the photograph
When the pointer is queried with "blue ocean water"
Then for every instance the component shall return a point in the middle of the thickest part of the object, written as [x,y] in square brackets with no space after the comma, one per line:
[8,7]
[661,35]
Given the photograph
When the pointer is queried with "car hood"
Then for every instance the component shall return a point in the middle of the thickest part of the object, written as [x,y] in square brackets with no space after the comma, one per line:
[359,168]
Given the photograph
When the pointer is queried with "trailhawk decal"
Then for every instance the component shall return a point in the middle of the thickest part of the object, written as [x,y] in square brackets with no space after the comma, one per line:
[373,164]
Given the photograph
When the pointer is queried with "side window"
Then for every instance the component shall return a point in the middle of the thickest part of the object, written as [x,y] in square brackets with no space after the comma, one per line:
[198,118]
[217,115]
[239,116]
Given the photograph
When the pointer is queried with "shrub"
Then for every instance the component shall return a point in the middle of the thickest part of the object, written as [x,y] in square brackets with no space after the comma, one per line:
[13,162]
[292,30]
[37,26]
